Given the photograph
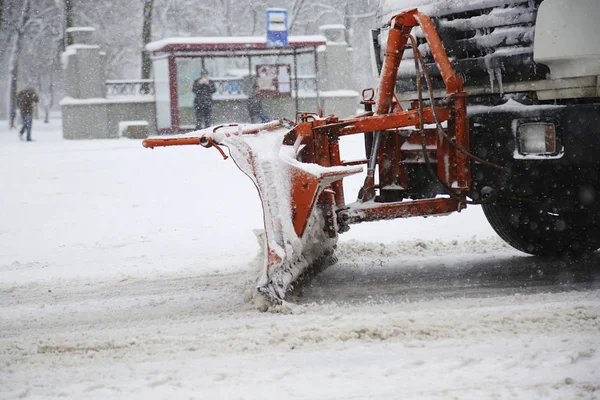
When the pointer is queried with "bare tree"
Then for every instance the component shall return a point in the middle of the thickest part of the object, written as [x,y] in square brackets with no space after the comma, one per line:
[206,18]
[29,34]
[18,30]
[40,61]
[309,16]
[68,21]
[116,23]
[296,9]
[146,38]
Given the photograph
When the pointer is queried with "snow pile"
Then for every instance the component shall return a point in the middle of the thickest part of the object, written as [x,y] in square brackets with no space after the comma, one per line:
[354,249]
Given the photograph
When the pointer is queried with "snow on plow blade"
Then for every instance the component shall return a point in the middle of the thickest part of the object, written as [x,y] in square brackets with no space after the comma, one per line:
[298,209]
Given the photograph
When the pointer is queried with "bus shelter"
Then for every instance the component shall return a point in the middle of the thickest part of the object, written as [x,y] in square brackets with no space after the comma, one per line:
[286,77]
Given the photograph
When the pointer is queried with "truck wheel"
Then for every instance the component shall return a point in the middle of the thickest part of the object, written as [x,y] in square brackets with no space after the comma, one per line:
[531,229]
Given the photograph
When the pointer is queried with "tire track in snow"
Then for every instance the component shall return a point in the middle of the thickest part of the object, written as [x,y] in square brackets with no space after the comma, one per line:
[385,275]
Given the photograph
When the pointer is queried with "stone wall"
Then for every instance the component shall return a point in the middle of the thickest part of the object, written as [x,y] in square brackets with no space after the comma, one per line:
[87,113]
[99,118]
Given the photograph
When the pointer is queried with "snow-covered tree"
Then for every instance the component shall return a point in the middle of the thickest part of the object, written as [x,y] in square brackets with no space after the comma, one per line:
[29,34]
[33,32]
[68,21]
[18,26]
[146,38]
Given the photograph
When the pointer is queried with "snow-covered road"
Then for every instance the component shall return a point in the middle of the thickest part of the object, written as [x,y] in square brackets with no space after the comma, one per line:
[124,274]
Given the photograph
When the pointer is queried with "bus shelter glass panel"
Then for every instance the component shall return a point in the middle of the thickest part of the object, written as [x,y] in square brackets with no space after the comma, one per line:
[307,75]
[227,73]
[274,80]
[162,93]
[188,69]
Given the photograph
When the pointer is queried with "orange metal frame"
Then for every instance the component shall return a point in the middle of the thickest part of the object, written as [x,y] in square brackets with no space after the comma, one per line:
[320,137]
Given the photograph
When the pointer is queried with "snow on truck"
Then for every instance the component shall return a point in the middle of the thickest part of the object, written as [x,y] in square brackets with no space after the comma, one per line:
[487,102]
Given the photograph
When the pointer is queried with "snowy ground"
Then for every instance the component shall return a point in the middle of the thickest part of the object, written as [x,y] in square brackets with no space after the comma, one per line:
[123,274]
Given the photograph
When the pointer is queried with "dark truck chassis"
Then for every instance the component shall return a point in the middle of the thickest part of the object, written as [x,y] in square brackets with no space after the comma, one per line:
[546,205]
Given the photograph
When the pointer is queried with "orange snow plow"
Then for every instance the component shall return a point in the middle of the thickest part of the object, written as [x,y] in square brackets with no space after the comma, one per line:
[298,169]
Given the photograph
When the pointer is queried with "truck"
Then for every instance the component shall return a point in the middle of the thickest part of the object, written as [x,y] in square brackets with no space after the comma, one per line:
[494,103]
[532,73]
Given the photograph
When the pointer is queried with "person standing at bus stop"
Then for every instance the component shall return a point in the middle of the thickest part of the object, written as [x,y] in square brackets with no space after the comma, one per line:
[26,99]
[254,104]
[203,90]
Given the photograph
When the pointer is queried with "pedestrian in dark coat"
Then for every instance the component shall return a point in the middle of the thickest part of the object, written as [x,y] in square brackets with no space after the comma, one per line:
[255,108]
[26,100]
[203,90]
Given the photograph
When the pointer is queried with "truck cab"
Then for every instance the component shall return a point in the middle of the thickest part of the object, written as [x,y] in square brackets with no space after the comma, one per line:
[532,73]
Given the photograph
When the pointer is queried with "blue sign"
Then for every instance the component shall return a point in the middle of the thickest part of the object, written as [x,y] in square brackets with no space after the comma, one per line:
[277,27]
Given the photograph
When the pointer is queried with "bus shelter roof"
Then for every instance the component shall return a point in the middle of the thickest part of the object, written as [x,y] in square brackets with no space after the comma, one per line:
[230,43]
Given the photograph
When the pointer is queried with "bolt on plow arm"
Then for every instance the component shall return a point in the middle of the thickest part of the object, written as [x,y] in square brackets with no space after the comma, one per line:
[298,170]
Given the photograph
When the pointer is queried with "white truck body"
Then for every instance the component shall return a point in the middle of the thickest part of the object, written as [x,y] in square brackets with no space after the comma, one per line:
[565,38]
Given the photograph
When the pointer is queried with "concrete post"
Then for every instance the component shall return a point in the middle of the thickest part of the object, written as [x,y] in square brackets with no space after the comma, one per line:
[336,73]
[87,113]
[335,64]
[84,64]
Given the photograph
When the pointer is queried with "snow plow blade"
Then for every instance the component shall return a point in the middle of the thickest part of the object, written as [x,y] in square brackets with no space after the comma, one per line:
[298,209]
[417,160]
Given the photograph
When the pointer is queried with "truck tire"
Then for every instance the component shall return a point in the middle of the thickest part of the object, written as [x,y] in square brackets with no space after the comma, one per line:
[530,229]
